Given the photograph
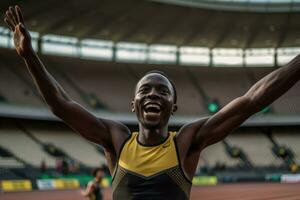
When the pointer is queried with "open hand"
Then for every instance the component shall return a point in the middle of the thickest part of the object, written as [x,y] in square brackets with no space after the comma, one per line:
[22,40]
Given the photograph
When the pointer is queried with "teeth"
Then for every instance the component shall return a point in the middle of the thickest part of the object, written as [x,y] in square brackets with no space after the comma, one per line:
[152,108]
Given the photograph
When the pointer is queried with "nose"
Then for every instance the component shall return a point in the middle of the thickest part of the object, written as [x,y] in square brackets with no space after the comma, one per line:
[153,94]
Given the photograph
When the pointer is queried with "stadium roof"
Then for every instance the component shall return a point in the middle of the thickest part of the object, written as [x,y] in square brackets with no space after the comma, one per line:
[159,23]
[241,5]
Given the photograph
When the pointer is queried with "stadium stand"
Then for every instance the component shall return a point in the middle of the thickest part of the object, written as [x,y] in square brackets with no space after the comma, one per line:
[107,81]
[110,81]
[22,146]
[22,94]
[215,154]
[7,174]
[8,160]
[76,147]
[217,85]
[257,147]
[289,139]
[287,104]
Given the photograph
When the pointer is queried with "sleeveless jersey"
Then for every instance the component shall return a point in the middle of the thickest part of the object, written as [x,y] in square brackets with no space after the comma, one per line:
[97,192]
[150,172]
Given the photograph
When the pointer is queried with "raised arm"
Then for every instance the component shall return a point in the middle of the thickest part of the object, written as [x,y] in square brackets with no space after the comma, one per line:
[107,133]
[215,128]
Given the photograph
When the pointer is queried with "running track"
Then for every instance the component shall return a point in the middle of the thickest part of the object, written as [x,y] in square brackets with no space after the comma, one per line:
[220,192]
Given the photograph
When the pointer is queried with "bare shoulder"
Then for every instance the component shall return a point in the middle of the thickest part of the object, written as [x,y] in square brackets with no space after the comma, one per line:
[186,135]
[119,133]
[190,129]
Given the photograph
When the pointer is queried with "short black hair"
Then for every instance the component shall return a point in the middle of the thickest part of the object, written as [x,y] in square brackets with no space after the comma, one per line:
[163,74]
[94,172]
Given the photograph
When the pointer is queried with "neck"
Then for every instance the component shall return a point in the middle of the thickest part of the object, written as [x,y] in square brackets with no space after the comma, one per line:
[152,136]
[97,179]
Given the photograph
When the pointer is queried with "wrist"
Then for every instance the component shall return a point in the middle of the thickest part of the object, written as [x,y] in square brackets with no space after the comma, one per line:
[30,53]
[297,64]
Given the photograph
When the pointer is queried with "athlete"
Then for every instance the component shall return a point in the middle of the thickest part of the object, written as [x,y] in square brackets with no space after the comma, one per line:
[152,163]
[93,190]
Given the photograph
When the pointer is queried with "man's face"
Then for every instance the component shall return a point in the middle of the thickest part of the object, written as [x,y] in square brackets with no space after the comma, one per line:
[99,174]
[153,101]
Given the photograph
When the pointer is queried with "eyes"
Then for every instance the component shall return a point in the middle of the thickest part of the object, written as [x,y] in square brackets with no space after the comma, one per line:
[161,90]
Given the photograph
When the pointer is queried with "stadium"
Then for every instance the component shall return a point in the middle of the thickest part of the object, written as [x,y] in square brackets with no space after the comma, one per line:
[213,51]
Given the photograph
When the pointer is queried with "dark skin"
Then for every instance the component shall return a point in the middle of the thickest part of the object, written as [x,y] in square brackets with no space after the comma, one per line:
[92,185]
[154,90]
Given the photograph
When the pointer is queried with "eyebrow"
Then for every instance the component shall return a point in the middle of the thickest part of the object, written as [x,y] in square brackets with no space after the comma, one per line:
[160,86]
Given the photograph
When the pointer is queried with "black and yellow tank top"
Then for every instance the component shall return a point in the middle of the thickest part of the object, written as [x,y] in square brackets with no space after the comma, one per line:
[150,172]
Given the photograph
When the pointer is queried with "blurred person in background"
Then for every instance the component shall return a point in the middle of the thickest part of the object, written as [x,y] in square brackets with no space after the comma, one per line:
[43,166]
[93,190]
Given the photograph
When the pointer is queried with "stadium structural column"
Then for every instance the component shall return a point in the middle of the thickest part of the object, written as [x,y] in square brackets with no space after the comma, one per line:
[114,52]
[39,44]
[178,56]
[147,54]
[210,58]
[244,58]
[275,57]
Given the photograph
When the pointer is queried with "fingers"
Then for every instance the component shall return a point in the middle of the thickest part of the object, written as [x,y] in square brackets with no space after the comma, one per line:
[19,14]
[10,25]
[13,15]
[9,21]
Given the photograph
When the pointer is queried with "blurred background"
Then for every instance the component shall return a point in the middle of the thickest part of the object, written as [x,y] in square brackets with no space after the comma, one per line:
[214,51]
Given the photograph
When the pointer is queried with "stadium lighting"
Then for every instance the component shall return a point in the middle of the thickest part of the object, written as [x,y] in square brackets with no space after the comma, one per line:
[213,106]
[96,49]
[262,57]
[162,53]
[194,56]
[154,53]
[285,55]
[265,110]
[59,45]
[131,52]
[34,39]
[4,37]
[227,57]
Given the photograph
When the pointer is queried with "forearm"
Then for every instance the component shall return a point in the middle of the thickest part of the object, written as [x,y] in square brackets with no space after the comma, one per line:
[272,86]
[51,91]
[85,193]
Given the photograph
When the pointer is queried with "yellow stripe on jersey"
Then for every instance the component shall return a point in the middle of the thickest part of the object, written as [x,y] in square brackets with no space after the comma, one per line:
[148,160]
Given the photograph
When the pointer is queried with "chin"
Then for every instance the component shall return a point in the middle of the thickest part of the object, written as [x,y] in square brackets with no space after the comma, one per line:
[152,125]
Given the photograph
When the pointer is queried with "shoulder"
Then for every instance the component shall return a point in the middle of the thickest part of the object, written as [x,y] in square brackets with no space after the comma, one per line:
[186,135]
[192,127]
[91,184]
[119,133]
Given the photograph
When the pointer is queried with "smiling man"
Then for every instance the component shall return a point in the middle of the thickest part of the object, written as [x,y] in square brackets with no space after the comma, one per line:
[152,163]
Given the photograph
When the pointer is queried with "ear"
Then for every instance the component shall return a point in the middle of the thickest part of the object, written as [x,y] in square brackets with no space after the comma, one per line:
[174,109]
[132,106]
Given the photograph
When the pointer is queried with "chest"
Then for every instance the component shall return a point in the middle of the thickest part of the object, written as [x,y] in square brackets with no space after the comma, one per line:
[148,161]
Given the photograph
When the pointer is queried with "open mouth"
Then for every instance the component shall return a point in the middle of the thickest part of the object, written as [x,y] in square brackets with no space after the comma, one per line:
[153,108]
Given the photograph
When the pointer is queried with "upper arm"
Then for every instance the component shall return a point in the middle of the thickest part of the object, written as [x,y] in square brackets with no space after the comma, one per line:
[201,133]
[218,126]
[99,131]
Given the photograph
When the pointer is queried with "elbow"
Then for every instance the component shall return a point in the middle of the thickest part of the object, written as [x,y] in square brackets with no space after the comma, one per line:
[57,107]
[248,104]
[55,110]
